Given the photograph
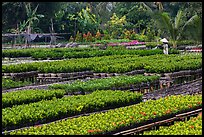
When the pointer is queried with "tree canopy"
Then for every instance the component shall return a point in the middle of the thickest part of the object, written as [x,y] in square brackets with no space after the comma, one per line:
[70,17]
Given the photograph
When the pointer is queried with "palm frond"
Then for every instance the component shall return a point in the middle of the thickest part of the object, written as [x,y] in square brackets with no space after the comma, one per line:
[27,7]
[178,19]
[190,21]
[35,10]
[167,21]
[146,6]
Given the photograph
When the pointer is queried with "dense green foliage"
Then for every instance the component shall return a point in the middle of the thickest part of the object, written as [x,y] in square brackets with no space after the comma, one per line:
[103,123]
[62,53]
[114,64]
[10,99]
[110,18]
[106,28]
[48,110]
[9,83]
[106,83]
[176,28]
[190,127]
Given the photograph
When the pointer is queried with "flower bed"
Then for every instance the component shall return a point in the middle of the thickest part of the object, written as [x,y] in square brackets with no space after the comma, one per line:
[49,110]
[113,64]
[9,83]
[62,53]
[191,127]
[134,42]
[130,43]
[106,83]
[10,99]
[118,119]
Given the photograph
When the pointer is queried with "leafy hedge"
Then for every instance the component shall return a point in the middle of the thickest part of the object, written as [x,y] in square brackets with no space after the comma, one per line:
[8,83]
[10,99]
[106,83]
[14,53]
[191,127]
[174,64]
[104,123]
[113,64]
[48,110]
[63,53]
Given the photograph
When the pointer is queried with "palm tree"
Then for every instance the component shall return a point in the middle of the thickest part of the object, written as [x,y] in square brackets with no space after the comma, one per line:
[194,31]
[176,28]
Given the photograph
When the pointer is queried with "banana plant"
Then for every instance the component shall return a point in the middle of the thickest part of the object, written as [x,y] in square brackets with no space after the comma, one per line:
[32,16]
[87,19]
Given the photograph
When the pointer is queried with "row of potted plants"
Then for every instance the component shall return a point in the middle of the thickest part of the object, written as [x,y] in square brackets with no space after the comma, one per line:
[8,83]
[27,96]
[61,53]
[117,119]
[49,110]
[15,53]
[113,64]
[105,83]
[10,99]
[190,127]
[175,64]
[110,51]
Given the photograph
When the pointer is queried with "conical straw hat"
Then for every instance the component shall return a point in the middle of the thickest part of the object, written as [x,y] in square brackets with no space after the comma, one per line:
[164,40]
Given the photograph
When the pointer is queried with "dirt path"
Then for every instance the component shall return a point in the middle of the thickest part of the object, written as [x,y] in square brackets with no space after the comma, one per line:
[193,87]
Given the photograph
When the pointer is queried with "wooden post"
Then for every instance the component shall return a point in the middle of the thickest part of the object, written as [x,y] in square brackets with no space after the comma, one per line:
[161,86]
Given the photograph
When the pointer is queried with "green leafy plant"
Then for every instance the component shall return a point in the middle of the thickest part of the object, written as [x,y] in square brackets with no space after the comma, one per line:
[8,83]
[10,99]
[176,28]
[128,61]
[106,83]
[190,127]
[48,110]
[117,119]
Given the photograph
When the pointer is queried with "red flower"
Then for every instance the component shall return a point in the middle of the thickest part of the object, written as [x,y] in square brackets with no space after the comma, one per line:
[84,35]
[90,131]
[154,113]
[96,130]
[199,102]
[190,106]
[200,114]
[191,126]
[143,113]
[168,111]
